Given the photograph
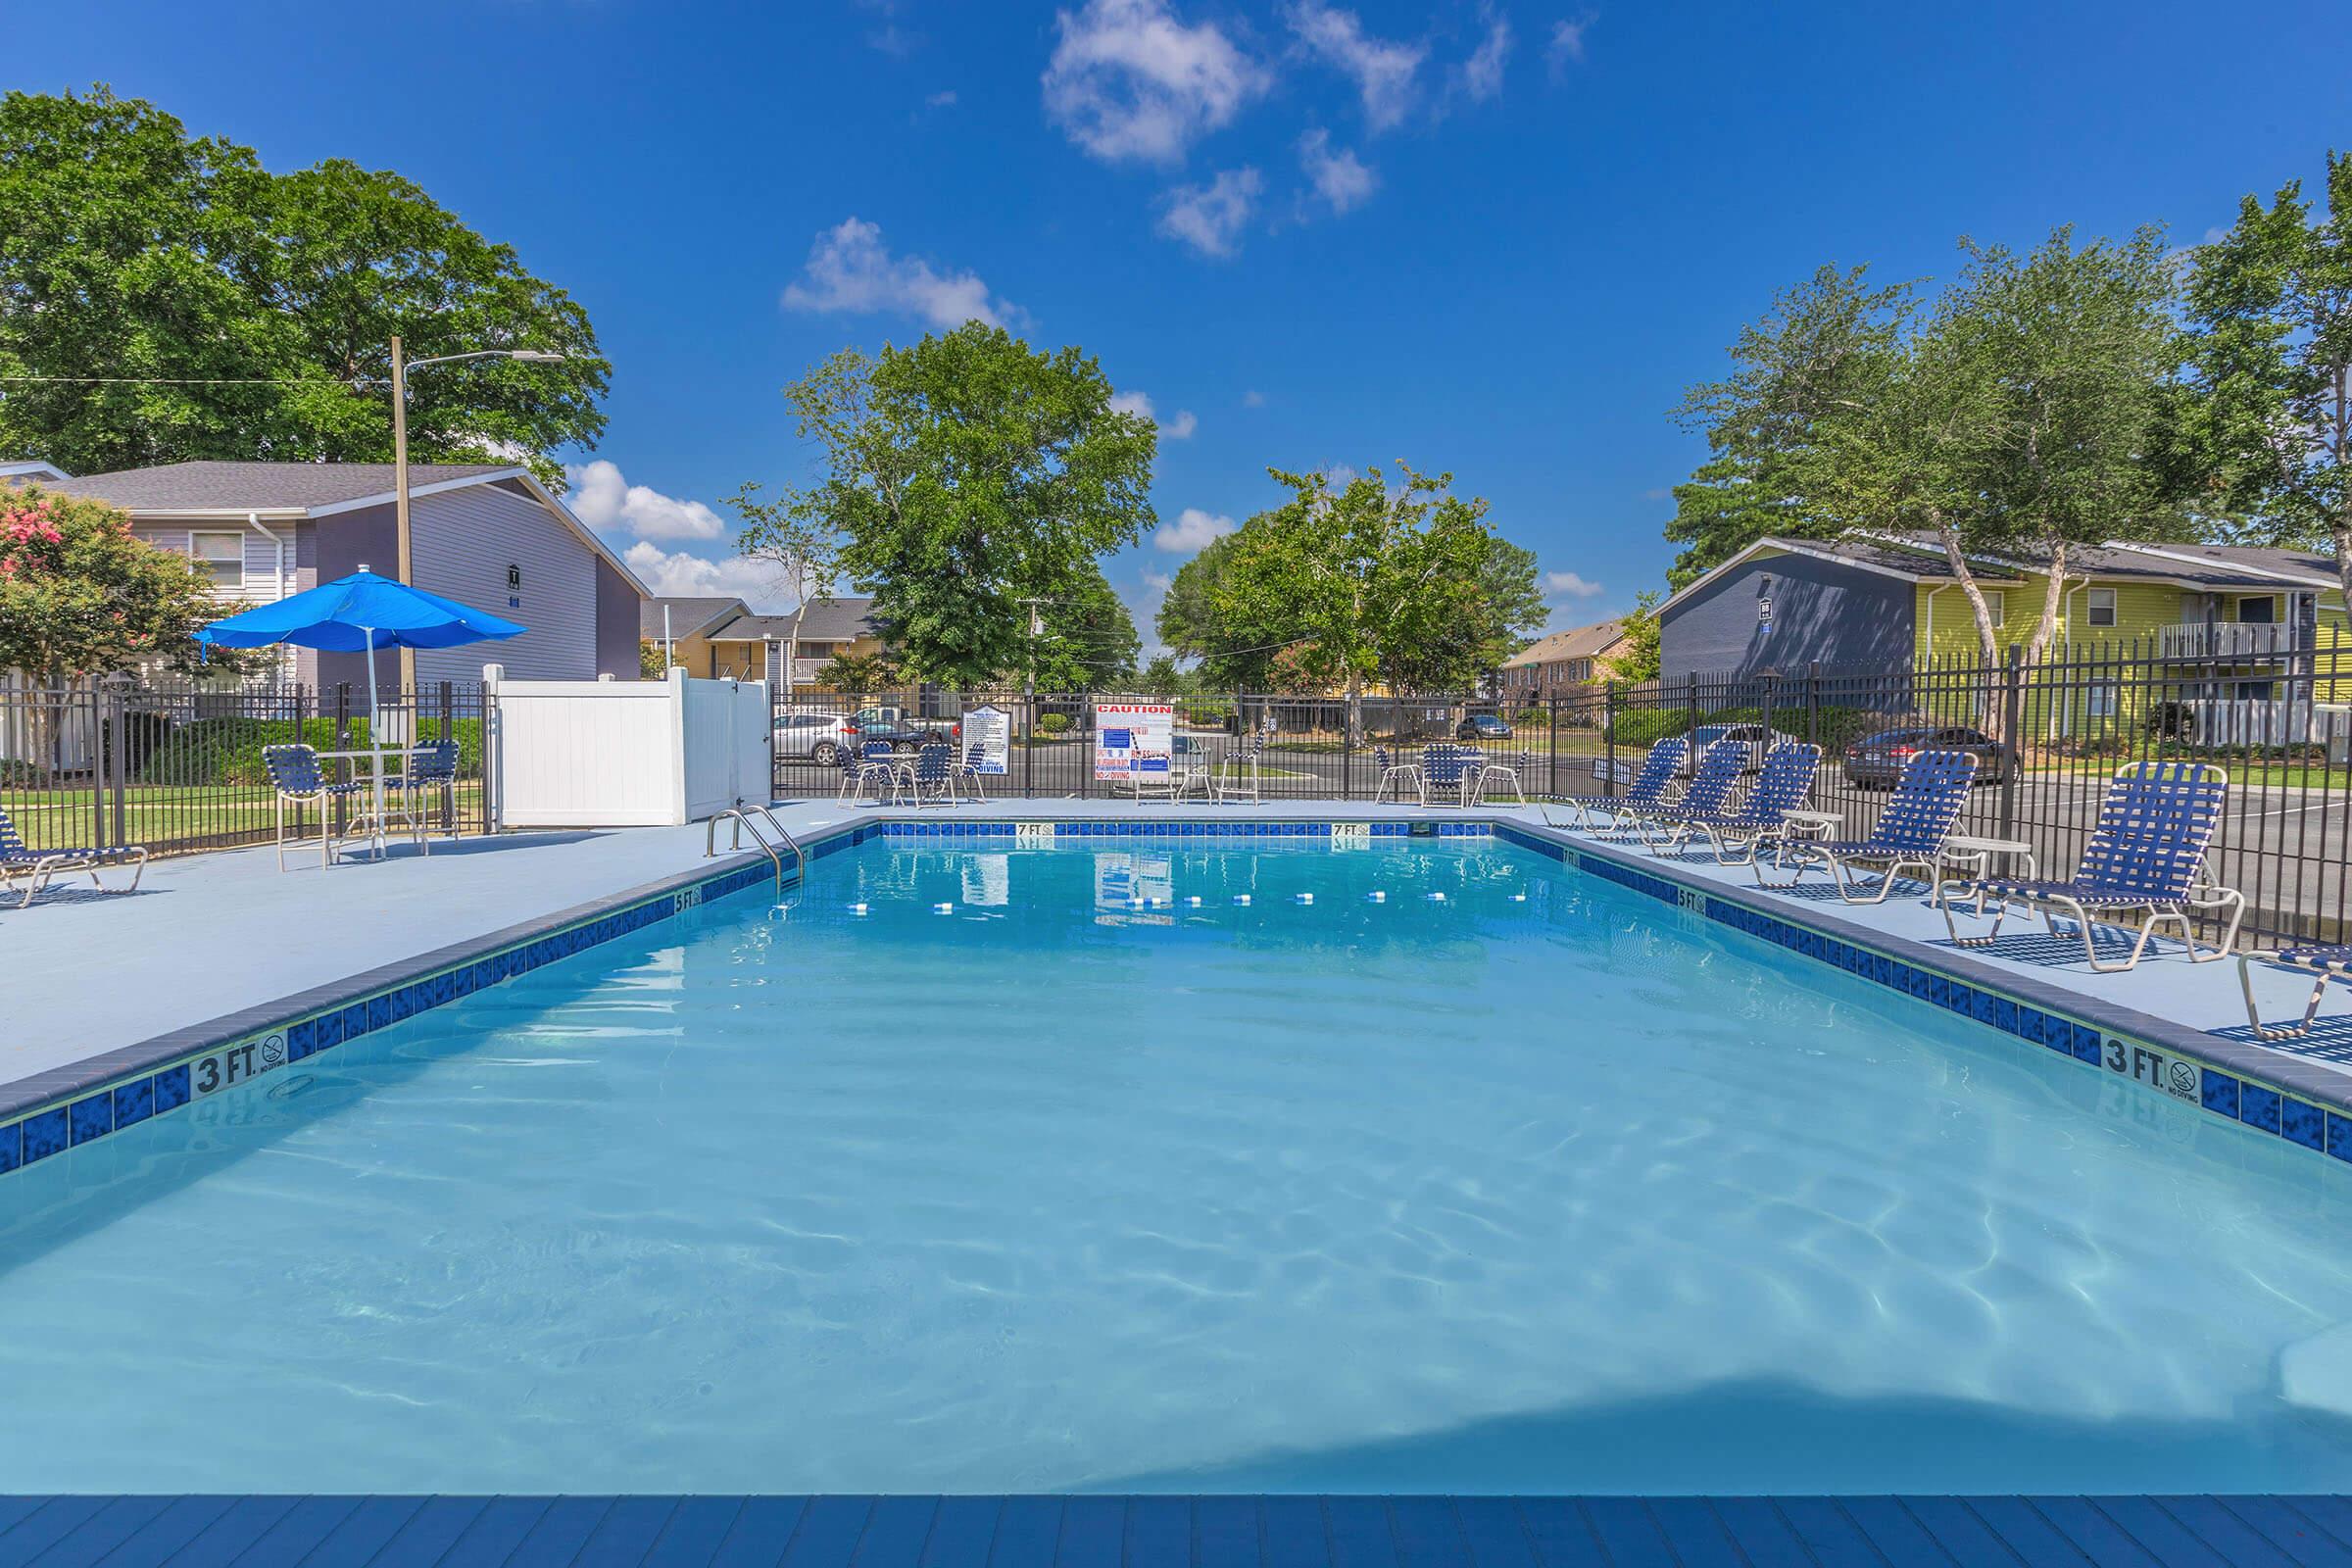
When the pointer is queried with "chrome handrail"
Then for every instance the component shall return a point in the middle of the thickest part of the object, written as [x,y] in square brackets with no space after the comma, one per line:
[741,817]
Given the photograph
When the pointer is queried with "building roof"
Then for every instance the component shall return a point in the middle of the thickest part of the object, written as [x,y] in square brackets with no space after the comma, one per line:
[267,486]
[1581,642]
[2248,565]
[828,620]
[687,615]
[32,468]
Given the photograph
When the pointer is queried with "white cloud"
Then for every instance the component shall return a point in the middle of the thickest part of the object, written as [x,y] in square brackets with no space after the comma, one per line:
[677,574]
[1159,583]
[602,499]
[1571,585]
[849,268]
[1179,428]
[1130,81]
[1253,399]
[1210,217]
[941,100]
[1567,46]
[1340,177]
[1385,71]
[1481,73]
[1193,530]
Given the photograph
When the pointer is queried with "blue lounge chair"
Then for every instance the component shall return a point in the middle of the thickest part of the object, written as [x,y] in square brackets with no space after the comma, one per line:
[2146,856]
[1921,813]
[1738,837]
[2321,963]
[1653,787]
[876,762]
[38,867]
[432,775]
[1714,778]
[296,780]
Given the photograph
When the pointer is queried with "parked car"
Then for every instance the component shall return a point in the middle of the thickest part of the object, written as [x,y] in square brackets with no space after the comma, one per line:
[1482,727]
[904,735]
[807,732]
[1876,761]
[1758,738]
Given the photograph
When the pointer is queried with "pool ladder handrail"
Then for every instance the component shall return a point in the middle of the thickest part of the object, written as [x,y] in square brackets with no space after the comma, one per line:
[741,816]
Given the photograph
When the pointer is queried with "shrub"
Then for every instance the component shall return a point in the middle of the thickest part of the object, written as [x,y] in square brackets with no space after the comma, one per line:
[1053,723]
[228,750]
[1646,726]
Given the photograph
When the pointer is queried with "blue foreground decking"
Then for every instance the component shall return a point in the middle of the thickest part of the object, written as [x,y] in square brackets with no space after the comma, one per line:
[1170,1532]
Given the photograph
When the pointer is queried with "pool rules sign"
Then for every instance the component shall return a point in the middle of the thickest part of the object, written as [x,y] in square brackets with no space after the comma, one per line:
[1133,740]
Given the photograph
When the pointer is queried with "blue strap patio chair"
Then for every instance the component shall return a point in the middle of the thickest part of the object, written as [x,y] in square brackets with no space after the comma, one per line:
[1239,770]
[1654,785]
[36,866]
[1714,778]
[968,771]
[874,763]
[1448,767]
[1737,837]
[2146,857]
[296,780]
[932,777]
[1397,772]
[432,777]
[1909,835]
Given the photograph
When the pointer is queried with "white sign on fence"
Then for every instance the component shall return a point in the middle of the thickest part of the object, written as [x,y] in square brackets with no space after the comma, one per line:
[1133,740]
[990,730]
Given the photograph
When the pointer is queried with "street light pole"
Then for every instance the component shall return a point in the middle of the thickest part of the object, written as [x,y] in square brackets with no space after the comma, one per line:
[401,367]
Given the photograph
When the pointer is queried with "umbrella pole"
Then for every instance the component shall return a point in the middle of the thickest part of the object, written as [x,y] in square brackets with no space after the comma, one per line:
[376,745]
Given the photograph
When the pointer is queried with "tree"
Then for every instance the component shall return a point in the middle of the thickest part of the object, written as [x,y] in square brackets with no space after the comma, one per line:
[1235,649]
[793,535]
[1637,656]
[968,474]
[80,596]
[1819,348]
[2270,347]
[1372,582]
[248,315]
[859,673]
[1089,642]
[653,659]
[1165,678]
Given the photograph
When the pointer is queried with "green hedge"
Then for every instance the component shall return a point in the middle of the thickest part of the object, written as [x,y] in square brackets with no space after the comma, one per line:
[228,750]
[1053,723]
[1840,727]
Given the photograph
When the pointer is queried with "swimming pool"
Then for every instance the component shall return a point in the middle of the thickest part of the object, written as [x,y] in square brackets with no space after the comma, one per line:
[1536,1188]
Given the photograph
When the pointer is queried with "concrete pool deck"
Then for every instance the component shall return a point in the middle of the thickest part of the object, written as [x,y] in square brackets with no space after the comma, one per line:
[212,936]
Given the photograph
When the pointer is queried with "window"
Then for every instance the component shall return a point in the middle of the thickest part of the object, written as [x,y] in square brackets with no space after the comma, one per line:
[2257,609]
[221,556]
[2104,696]
[2100,608]
[1996,604]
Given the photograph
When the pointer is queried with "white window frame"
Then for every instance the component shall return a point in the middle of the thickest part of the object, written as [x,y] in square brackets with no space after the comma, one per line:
[2091,607]
[2103,698]
[1996,604]
[211,565]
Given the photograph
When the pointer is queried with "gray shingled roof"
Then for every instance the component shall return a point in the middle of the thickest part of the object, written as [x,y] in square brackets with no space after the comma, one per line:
[687,614]
[829,620]
[258,486]
[1581,642]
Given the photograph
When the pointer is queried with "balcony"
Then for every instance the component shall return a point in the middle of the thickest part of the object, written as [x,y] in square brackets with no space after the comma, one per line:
[2228,639]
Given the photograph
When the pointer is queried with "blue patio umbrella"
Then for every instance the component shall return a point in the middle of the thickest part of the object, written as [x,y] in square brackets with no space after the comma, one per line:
[359,614]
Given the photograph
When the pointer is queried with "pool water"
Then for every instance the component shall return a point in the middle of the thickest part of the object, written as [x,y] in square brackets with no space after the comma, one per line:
[1538,1188]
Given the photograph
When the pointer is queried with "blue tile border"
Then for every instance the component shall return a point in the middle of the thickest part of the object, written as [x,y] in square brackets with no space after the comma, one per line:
[2218,1076]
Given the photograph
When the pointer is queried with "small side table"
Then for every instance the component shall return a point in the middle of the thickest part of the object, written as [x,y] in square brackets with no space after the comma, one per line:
[1975,857]
[1806,827]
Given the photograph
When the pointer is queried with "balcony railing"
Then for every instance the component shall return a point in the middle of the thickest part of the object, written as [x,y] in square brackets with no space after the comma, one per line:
[2225,639]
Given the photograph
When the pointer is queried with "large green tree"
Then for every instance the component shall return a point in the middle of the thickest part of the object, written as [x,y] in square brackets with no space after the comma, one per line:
[1233,639]
[969,475]
[1367,581]
[1088,642]
[1820,347]
[165,297]
[793,535]
[2270,347]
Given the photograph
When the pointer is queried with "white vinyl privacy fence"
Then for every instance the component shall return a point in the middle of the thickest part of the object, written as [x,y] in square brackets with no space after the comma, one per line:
[624,753]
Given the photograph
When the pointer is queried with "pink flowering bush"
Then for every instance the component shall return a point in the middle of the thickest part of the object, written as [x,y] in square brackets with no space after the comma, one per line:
[81,595]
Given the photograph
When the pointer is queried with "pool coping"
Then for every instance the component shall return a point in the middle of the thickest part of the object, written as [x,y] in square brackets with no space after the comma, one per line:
[65,1107]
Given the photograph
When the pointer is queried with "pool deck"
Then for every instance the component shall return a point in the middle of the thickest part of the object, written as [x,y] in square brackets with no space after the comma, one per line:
[212,938]
[1174,1532]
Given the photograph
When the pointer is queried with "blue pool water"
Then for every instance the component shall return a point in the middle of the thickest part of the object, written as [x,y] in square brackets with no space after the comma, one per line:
[1540,1187]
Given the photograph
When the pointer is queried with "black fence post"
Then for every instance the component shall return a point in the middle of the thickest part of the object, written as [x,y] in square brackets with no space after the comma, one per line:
[343,744]
[1608,735]
[1690,722]
[2013,721]
[449,732]
[1029,747]
[1086,776]
[1766,690]
[1551,775]
[1813,702]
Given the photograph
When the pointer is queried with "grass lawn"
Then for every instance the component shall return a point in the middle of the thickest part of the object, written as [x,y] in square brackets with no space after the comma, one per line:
[168,818]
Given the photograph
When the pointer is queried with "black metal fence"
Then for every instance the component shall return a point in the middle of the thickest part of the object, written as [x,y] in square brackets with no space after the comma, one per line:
[2274,710]
[178,768]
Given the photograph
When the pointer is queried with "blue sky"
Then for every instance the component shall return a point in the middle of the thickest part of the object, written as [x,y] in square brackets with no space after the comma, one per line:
[1495,238]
